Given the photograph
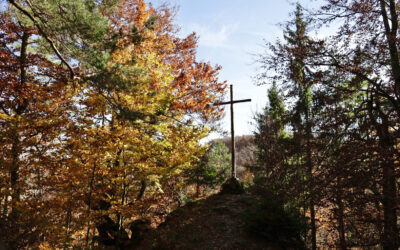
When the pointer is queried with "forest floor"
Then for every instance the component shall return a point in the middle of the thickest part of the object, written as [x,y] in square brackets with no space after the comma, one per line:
[222,221]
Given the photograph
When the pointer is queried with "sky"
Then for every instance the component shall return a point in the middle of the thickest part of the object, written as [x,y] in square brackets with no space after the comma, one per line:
[231,33]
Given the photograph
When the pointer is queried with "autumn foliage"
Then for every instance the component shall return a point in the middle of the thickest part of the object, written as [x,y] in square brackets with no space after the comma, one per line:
[100,118]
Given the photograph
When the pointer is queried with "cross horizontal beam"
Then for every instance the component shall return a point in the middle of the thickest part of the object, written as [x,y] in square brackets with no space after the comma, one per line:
[231,102]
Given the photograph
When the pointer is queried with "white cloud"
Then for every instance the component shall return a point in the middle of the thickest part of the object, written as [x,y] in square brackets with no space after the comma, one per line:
[214,37]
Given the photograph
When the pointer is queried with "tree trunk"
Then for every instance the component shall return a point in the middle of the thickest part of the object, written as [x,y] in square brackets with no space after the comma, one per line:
[15,149]
[312,203]
[14,171]
[312,211]
[68,220]
[391,29]
[390,231]
[340,218]
[390,238]
[197,186]
[5,208]
[390,234]
[310,167]
[91,187]
[124,188]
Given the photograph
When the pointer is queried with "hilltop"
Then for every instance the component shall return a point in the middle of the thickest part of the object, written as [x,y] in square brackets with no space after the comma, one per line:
[227,220]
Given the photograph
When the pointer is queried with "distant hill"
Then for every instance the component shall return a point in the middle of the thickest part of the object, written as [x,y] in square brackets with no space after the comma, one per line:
[245,149]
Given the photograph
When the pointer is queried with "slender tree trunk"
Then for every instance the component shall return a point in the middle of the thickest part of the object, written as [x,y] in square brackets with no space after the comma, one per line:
[120,217]
[91,187]
[312,207]
[143,186]
[16,147]
[198,187]
[5,208]
[310,167]
[391,30]
[391,232]
[14,172]
[391,237]
[68,221]
[305,207]
[340,218]
[312,203]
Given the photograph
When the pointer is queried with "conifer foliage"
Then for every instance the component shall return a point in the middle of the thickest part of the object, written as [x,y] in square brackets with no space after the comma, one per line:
[334,152]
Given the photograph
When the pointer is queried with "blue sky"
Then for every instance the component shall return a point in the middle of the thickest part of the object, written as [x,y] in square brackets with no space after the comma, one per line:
[231,32]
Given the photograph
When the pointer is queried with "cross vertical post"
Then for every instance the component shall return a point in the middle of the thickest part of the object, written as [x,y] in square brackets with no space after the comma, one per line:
[233,136]
[231,102]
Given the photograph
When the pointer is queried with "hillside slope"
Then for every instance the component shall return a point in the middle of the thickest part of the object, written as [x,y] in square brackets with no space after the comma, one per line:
[225,221]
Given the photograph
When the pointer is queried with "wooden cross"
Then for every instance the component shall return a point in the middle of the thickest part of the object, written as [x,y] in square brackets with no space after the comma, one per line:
[231,102]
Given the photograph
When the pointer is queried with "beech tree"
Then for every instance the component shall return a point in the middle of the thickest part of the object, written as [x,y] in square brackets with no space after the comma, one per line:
[99,125]
[34,103]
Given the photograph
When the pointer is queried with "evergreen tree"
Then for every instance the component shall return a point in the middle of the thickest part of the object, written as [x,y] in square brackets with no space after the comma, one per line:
[343,106]
[374,68]
[269,139]
[289,62]
[214,168]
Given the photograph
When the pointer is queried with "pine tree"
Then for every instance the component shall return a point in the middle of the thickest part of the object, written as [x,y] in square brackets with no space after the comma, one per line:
[289,62]
[269,139]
